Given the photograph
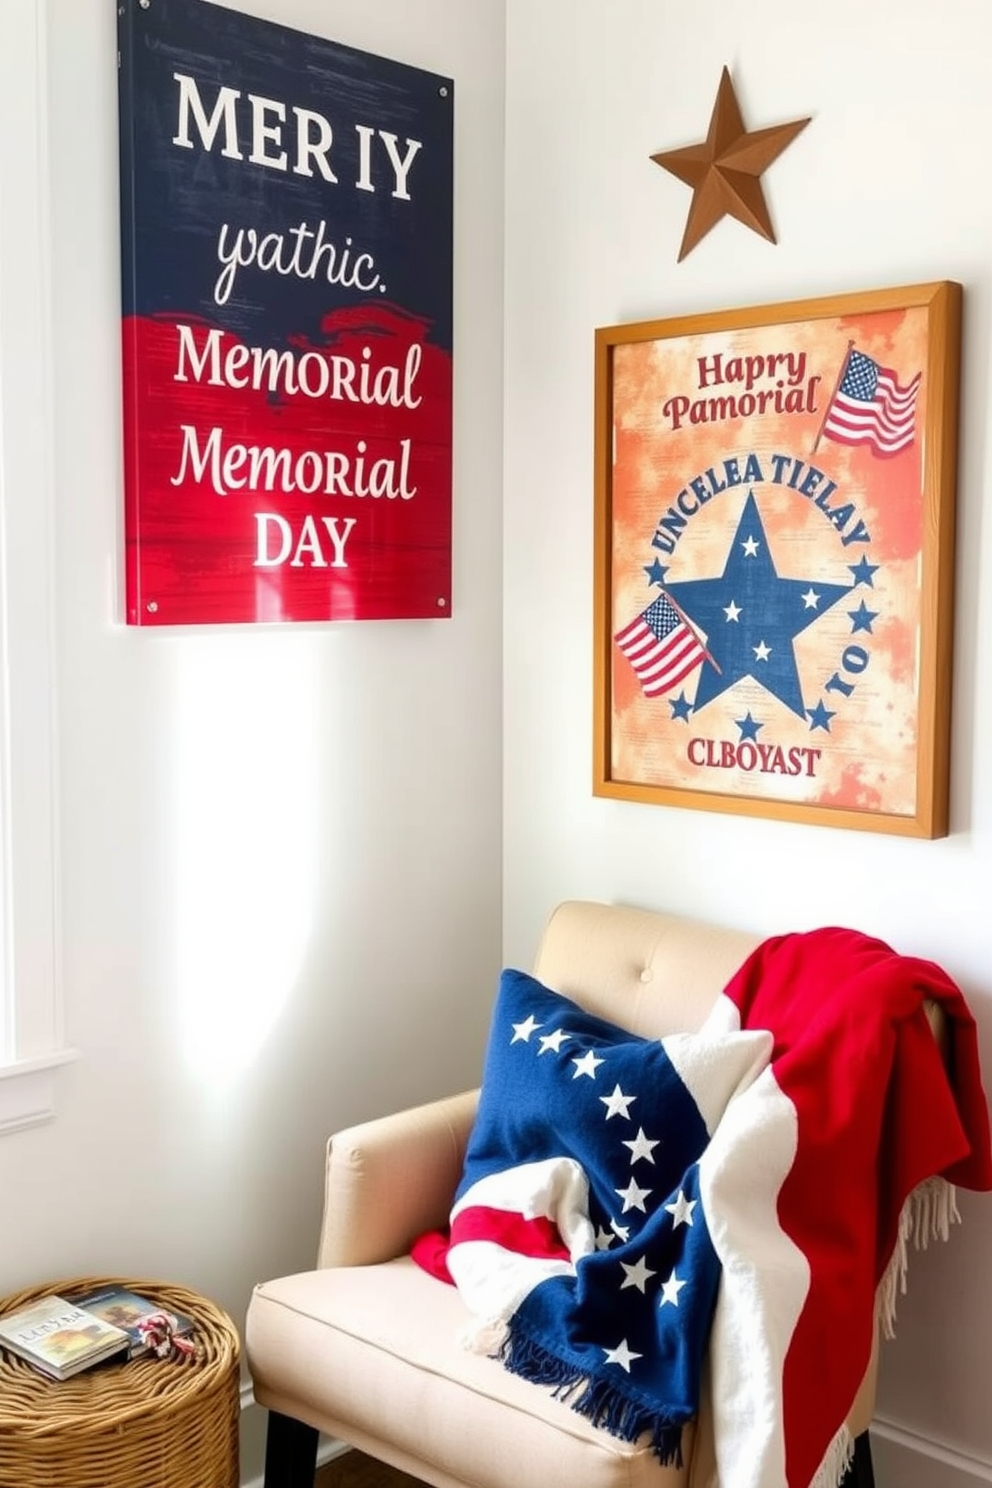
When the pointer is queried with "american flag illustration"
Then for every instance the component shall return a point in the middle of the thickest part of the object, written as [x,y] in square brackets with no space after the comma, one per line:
[661,647]
[872,407]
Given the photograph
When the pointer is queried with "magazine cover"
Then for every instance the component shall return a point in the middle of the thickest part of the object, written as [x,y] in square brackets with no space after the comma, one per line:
[124,1309]
[60,1338]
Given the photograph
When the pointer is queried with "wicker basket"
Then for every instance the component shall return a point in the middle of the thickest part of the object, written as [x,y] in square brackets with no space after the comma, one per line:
[144,1423]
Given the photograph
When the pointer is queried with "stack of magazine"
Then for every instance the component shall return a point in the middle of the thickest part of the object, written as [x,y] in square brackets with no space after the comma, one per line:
[62,1337]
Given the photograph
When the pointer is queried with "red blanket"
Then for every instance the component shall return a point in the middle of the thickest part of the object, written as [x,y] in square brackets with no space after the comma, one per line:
[877,1113]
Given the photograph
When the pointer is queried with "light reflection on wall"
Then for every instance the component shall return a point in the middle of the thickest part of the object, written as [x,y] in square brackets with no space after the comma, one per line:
[247,789]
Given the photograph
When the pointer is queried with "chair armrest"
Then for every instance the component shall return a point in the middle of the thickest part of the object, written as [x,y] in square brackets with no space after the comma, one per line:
[392,1179]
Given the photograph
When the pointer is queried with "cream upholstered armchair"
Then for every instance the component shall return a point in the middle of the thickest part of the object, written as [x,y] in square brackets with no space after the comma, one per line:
[369,1348]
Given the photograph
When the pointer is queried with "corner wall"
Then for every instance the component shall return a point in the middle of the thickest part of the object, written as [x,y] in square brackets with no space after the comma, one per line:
[883,188]
[338,785]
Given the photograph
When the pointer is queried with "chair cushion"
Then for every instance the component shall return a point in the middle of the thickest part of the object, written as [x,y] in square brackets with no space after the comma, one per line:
[330,1346]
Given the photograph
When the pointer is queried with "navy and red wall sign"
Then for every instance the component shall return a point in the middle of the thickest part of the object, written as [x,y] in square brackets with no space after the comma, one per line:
[286,214]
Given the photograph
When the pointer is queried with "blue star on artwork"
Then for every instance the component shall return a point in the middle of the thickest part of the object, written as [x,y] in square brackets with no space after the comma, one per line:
[820,717]
[748,726]
[863,571]
[861,618]
[681,707]
[656,572]
[750,617]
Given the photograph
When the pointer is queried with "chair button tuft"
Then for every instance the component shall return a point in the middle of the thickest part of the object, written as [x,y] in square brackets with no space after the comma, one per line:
[647,974]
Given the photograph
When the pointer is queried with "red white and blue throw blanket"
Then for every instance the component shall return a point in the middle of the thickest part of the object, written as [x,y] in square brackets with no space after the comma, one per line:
[748,1191]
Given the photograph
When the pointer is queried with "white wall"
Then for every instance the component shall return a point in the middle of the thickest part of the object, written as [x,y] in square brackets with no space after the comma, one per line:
[359,768]
[885,187]
[336,787]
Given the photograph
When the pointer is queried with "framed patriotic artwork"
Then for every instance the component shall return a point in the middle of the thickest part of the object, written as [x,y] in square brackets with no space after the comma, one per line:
[774,534]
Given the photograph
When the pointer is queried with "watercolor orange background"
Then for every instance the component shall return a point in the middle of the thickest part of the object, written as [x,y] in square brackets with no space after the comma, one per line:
[868,757]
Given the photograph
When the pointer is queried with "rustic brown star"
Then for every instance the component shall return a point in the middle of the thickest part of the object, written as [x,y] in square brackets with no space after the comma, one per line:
[725,171]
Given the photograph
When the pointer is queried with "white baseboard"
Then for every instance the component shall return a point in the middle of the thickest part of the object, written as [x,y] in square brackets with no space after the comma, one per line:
[325,1453]
[904,1459]
[327,1450]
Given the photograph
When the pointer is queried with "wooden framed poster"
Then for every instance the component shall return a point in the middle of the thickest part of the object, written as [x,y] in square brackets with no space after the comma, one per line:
[286,221]
[774,532]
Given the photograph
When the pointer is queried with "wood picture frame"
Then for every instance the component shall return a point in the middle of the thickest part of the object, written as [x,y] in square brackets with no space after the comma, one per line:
[773,559]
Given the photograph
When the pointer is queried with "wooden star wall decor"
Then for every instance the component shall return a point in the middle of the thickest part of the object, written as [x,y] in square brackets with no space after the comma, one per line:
[725,170]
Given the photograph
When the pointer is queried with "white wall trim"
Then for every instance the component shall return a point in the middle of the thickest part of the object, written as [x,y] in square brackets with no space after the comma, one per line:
[27,1089]
[328,1449]
[30,1005]
[908,1444]
[325,1454]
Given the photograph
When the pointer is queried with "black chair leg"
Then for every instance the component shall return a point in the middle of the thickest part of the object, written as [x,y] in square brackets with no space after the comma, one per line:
[860,1474]
[290,1452]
